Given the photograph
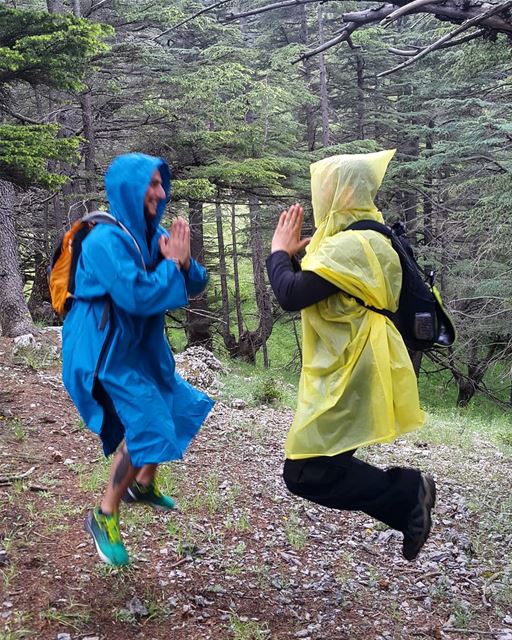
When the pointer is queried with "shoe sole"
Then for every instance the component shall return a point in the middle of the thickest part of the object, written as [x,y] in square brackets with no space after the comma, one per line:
[89,530]
[429,487]
[430,503]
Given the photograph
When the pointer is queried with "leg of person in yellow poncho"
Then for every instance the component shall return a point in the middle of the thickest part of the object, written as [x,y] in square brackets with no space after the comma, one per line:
[357,385]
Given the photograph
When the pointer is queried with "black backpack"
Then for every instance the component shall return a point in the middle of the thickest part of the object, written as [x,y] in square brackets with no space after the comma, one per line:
[421,317]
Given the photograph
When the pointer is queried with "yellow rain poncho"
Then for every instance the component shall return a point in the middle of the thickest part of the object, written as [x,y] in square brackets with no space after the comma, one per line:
[357,383]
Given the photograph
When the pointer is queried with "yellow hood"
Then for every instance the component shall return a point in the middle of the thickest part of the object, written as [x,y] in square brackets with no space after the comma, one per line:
[343,189]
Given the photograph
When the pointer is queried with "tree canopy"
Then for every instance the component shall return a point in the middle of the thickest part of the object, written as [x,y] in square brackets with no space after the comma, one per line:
[41,49]
[234,99]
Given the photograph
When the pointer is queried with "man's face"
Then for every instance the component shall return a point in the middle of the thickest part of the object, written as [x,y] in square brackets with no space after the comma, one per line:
[154,194]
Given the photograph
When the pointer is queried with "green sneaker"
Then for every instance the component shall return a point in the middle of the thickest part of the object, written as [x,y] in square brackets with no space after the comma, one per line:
[149,495]
[104,530]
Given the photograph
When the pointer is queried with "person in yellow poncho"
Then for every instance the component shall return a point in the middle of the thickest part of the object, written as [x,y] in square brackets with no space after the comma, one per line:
[357,384]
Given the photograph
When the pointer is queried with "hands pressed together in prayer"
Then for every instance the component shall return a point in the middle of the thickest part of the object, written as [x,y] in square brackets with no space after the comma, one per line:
[176,246]
[287,234]
[286,237]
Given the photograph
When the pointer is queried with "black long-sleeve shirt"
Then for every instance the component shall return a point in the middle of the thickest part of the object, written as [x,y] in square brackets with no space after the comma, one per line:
[293,288]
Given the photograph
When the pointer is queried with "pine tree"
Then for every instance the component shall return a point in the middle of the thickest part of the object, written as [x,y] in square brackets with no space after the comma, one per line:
[35,48]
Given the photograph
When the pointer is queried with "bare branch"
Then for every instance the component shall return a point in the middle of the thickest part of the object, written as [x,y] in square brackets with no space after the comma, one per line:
[18,116]
[404,52]
[488,159]
[449,10]
[192,17]
[411,7]
[453,13]
[469,13]
[344,35]
[93,8]
[353,20]
[20,476]
[270,7]
[463,27]
[453,43]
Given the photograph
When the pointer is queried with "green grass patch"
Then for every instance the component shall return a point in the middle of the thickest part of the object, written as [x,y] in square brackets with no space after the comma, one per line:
[438,391]
[93,478]
[136,519]
[14,427]
[72,615]
[16,628]
[295,533]
[242,628]
[464,428]
[257,386]
[40,356]
[169,479]
[57,517]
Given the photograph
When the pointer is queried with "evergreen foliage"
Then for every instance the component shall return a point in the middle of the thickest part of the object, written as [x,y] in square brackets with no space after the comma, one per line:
[240,122]
[54,50]
[25,151]
[41,49]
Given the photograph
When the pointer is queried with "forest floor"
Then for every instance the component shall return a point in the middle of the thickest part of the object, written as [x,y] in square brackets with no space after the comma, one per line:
[242,559]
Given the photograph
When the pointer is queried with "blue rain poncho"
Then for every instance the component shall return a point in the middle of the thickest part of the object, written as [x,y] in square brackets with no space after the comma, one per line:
[155,410]
[357,384]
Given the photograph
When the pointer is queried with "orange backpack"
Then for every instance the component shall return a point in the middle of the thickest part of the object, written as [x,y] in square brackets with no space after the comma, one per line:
[65,259]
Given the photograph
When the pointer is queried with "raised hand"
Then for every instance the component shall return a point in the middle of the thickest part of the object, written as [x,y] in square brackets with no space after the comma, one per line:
[287,234]
[177,245]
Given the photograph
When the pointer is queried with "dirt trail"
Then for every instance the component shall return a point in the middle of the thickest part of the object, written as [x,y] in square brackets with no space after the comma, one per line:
[242,559]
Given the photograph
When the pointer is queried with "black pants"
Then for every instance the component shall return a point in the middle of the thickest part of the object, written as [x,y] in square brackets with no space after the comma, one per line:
[112,430]
[344,482]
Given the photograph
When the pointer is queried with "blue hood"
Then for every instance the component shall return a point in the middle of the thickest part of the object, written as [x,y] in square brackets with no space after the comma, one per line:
[126,183]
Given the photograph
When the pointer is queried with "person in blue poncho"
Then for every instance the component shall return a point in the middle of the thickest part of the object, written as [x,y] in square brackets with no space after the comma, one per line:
[117,364]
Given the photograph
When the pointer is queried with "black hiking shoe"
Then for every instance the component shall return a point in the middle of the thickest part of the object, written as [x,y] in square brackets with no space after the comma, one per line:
[420,521]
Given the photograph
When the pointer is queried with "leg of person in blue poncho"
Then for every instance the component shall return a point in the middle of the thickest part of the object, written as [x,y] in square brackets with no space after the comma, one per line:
[357,385]
[117,363]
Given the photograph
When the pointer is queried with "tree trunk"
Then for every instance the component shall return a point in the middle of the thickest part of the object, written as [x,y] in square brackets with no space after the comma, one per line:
[89,134]
[229,338]
[198,317]
[468,385]
[309,109]
[66,130]
[360,97]
[236,278]
[428,222]
[416,358]
[324,98]
[408,144]
[55,6]
[262,333]
[297,341]
[39,302]
[249,342]
[14,314]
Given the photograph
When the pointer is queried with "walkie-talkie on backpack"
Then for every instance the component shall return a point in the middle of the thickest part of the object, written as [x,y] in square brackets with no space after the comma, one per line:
[421,317]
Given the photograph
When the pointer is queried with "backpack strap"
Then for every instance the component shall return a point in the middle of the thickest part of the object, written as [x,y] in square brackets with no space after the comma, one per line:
[103,217]
[373,225]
